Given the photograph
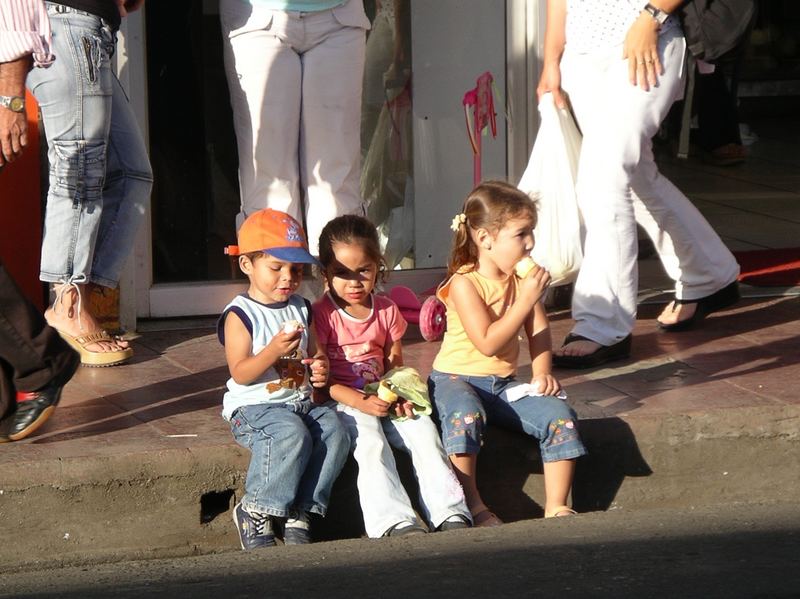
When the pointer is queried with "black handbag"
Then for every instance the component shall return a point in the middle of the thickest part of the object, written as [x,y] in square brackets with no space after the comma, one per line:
[713,28]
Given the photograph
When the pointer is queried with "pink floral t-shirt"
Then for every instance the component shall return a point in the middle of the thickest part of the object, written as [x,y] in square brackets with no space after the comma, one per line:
[355,347]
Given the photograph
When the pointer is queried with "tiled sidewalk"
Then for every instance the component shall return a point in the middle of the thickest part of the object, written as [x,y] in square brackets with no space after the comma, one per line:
[169,396]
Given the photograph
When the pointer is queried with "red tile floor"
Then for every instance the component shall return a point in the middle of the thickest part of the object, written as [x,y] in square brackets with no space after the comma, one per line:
[169,396]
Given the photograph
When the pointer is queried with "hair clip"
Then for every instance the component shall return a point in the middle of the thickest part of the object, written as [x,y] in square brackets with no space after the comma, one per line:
[457,220]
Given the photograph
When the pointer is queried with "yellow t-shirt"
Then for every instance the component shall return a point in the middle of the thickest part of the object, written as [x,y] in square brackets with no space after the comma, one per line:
[458,355]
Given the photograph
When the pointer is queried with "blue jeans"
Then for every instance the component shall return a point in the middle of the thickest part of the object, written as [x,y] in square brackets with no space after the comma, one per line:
[298,450]
[100,176]
[465,404]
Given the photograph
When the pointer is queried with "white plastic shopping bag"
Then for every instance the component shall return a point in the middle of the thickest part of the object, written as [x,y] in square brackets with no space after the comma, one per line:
[550,178]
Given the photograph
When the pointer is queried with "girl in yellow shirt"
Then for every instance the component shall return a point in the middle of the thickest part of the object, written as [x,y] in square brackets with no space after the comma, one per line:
[473,376]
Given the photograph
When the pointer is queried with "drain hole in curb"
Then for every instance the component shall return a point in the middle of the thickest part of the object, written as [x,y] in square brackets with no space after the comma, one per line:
[213,504]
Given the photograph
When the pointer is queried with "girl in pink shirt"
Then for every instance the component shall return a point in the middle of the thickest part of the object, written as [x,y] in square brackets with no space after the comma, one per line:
[361,334]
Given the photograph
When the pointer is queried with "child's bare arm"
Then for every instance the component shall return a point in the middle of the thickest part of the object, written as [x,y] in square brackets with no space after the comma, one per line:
[317,361]
[540,347]
[392,358]
[245,367]
[392,355]
[369,404]
[487,336]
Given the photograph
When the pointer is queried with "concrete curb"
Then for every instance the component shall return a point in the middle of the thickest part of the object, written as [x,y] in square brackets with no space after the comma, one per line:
[176,502]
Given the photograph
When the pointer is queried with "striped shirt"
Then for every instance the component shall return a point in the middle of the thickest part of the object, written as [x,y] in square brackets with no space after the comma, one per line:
[25,29]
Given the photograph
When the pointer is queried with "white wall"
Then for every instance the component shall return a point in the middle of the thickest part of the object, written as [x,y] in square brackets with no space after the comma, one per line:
[453,42]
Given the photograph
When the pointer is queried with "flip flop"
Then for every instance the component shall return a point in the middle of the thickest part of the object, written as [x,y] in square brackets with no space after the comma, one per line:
[486,519]
[557,512]
[725,297]
[605,353]
[97,359]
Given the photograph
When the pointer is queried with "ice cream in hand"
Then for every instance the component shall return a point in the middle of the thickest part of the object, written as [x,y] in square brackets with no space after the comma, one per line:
[292,326]
[524,266]
[386,394]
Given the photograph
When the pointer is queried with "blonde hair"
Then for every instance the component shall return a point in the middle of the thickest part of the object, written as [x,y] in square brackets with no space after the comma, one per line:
[489,206]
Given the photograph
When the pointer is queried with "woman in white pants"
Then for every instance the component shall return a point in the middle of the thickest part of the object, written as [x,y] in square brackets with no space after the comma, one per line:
[621,63]
[294,70]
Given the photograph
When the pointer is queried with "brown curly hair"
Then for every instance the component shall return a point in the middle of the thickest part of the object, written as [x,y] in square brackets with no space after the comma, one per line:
[489,206]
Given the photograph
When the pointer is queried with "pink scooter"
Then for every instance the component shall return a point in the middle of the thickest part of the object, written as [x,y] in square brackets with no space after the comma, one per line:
[429,314]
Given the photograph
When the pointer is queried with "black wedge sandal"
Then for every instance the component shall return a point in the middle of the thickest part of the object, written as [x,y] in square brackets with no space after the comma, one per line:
[719,300]
[605,353]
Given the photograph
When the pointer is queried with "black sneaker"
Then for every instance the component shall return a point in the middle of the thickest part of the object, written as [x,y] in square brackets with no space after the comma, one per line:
[297,529]
[33,411]
[34,408]
[454,522]
[255,530]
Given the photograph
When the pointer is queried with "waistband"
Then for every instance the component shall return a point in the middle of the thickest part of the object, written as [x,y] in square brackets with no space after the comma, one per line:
[109,18]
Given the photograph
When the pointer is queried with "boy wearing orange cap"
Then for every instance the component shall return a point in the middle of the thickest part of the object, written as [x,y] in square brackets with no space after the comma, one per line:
[297,447]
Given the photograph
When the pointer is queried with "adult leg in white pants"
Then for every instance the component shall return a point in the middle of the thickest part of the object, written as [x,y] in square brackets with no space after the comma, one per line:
[330,130]
[295,88]
[440,493]
[384,501]
[618,121]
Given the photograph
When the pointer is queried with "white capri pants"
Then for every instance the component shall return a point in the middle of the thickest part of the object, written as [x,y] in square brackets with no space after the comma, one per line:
[295,87]
[384,501]
[619,185]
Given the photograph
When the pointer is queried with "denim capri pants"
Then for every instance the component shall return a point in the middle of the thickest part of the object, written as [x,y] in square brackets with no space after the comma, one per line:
[465,404]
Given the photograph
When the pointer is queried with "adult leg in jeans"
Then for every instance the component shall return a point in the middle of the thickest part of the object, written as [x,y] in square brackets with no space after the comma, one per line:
[77,97]
[126,193]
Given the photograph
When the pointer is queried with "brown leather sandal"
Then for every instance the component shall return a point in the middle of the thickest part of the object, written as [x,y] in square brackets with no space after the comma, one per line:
[97,359]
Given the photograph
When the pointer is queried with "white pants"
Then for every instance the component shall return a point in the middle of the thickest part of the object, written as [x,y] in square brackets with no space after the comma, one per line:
[384,501]
[619,185]
[295,87]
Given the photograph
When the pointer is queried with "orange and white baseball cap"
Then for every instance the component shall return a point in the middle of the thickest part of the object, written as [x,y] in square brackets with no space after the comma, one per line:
[275,233]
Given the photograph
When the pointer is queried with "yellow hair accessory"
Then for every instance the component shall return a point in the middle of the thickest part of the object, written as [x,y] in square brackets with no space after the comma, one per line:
[457,220]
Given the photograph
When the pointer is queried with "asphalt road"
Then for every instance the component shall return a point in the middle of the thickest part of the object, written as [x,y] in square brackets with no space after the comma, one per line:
[728,551]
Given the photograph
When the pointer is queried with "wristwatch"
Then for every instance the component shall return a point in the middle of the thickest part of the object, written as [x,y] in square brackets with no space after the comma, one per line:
[13,103]
[659,15]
